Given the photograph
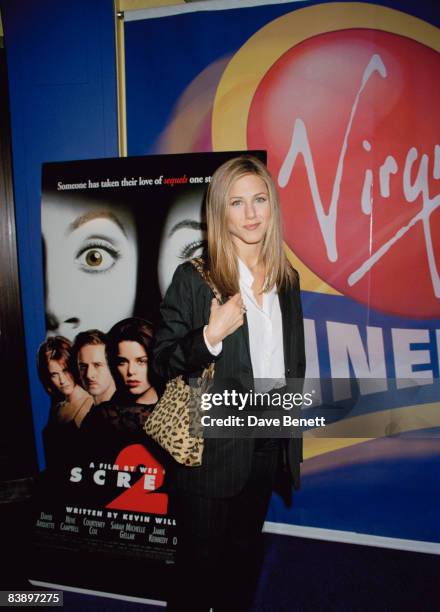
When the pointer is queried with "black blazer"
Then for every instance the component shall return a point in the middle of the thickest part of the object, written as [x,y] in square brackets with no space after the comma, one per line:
[180,349]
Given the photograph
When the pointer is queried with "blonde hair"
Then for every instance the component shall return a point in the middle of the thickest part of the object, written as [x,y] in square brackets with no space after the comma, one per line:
[222,259]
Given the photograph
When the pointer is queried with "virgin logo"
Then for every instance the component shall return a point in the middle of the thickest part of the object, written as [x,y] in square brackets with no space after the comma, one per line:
[359,164]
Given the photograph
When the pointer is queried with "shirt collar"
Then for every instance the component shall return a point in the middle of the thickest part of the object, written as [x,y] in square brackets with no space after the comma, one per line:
[245,274]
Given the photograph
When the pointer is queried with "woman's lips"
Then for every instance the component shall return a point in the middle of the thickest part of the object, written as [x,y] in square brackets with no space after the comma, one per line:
[252,226]
[133,383]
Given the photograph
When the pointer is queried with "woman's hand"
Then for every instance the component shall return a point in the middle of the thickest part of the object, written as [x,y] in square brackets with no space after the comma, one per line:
[224,319]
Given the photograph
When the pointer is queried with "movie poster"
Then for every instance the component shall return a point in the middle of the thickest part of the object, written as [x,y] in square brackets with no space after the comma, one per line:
[113,231]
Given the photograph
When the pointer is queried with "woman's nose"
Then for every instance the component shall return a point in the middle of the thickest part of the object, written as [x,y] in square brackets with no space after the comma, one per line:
[61,326]
[131,369]
[52,323]
[249,210]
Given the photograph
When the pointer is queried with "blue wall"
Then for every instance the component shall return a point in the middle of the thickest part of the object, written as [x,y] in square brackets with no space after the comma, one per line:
[62,83]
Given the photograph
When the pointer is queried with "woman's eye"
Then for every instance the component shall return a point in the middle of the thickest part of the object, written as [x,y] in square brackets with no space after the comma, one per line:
[261,199]
[94,257]
[97,258]
[235,202]
[190,249]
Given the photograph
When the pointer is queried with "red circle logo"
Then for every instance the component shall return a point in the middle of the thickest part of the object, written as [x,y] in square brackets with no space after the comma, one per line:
[351,122]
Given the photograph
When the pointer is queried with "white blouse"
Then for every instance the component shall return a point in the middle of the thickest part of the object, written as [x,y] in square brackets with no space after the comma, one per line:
[265,334]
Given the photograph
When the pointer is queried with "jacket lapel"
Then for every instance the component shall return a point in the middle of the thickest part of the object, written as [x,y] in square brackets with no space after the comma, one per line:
[245,338]
[287,317]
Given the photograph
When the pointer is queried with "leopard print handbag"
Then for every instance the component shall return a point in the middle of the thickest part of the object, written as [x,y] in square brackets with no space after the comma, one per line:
[174,422]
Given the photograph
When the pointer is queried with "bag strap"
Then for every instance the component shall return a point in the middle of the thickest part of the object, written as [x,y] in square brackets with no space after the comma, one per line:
[198,263]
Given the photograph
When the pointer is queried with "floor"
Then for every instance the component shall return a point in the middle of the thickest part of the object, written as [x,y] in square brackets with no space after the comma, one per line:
[299,575]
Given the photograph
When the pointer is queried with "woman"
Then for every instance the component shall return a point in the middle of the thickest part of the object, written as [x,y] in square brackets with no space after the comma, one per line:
[129,354]
[255,334]
[70,403]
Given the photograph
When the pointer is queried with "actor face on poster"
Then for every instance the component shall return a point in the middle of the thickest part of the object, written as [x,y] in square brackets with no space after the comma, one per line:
[91,258]
[129,351]
[91,358]
[70,402]
[183,235]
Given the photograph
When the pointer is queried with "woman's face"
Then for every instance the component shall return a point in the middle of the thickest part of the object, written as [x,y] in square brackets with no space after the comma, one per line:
[132,364]
[60,377]
[183,236]
[91,265]
[248,211]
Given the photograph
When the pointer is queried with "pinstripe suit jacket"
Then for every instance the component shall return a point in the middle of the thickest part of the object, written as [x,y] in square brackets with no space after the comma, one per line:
[180,349]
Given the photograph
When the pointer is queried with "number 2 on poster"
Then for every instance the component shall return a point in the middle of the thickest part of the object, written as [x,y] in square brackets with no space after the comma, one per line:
[140,497]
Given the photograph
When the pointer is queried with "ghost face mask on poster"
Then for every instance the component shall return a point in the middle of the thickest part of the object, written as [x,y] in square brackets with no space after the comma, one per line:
[91,259]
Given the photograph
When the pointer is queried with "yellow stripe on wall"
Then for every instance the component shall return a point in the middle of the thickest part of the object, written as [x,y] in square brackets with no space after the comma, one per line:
[383,423]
